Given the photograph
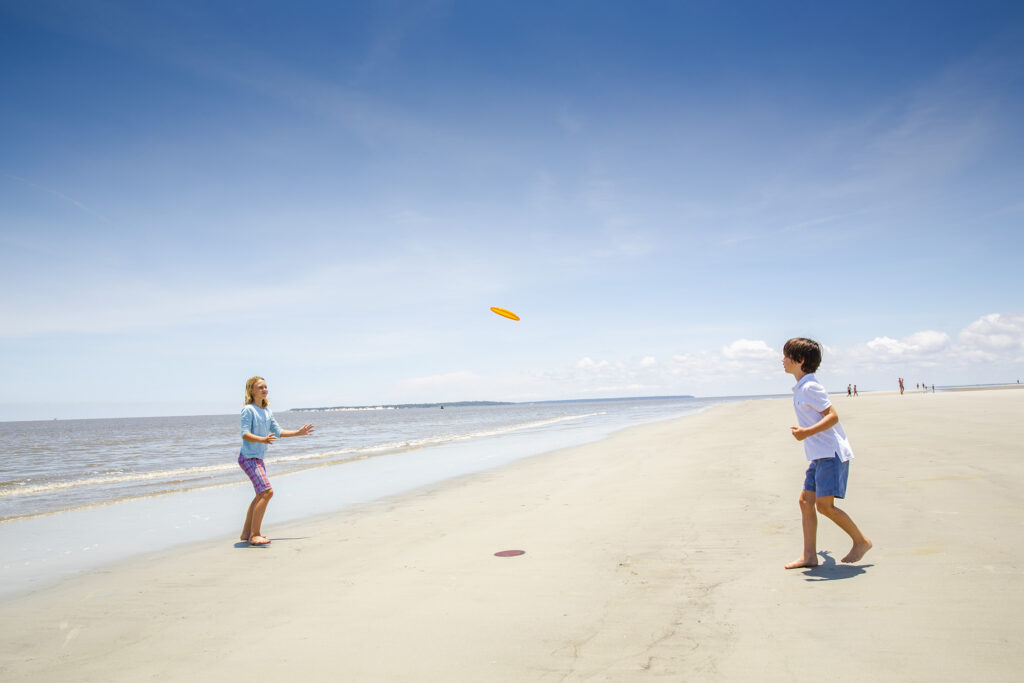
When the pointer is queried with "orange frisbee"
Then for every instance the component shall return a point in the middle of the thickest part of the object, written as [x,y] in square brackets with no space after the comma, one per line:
[508,314]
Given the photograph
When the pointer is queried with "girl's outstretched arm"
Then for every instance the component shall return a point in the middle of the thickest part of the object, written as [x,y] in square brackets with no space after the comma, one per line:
[301,431]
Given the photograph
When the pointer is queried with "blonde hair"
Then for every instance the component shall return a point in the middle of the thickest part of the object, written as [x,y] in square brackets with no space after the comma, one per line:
[248,391]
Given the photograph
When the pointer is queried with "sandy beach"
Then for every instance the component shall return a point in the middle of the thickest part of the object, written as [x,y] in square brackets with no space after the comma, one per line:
[656,554]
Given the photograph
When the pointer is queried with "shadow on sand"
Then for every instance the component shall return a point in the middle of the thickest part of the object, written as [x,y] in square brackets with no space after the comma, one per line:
[245,544]
[828,570]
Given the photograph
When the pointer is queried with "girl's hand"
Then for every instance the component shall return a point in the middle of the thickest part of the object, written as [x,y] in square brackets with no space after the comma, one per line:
[304,430]
[269,439]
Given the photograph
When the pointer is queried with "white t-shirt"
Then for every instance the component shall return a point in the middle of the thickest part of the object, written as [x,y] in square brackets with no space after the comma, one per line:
[810,400]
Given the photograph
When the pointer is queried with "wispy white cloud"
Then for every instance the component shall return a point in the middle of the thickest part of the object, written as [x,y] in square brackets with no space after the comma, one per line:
[683,372]
[61,196]
[402,183]
[388,287]
[994,338]
[749,349]
[390,29]
[451,384]
[851,174]
[995,332]
[916,346]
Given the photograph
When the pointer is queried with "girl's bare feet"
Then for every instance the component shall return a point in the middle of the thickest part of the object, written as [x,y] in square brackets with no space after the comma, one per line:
[259,540]
[803,562]
[858,551]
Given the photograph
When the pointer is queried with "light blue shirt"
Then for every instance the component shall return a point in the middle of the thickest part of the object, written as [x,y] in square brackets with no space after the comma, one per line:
[810,400]
[258,422]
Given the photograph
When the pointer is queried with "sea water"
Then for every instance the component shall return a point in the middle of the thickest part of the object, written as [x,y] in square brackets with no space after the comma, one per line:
[75,494]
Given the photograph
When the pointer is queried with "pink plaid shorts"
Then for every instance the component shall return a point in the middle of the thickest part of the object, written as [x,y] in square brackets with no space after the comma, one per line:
[257,472]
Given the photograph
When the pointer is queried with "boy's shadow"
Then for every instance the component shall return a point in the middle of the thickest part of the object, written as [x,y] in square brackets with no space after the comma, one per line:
[828,570]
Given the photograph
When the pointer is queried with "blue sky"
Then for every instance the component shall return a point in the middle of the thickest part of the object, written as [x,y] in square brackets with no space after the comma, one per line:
[332,195]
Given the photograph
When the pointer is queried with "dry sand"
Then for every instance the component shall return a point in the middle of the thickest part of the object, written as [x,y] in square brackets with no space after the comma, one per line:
[655,554]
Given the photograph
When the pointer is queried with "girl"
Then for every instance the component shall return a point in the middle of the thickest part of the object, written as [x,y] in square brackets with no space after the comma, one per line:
[259,430]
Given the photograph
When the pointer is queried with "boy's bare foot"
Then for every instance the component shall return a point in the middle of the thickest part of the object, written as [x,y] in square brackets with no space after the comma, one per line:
[259,540]
[803,562]
[858,551]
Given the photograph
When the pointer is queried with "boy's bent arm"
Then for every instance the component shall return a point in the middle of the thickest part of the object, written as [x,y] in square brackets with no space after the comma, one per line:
[829,419]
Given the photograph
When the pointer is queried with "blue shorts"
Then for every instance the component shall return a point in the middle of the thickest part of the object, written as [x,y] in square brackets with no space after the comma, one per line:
[827,477]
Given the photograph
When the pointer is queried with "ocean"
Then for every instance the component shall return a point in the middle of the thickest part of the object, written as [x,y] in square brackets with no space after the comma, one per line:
[144,484]
[61,465]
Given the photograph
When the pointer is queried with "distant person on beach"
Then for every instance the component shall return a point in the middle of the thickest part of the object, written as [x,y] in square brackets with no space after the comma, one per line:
[855,390]
[827,449]
[901,386]
[259,430]
[849,390]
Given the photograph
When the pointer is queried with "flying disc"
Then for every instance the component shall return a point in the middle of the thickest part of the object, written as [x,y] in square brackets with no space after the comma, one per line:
[509,553]
[508,314]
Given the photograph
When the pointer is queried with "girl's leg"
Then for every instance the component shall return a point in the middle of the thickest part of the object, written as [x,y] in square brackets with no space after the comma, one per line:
[259,507]
[809,522]
[257,473]
[247,528]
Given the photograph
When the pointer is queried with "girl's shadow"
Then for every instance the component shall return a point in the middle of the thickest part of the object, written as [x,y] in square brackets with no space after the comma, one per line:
[828,570]
[245,544]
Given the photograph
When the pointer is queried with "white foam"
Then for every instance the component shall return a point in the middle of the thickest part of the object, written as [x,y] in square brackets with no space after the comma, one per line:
[22,489]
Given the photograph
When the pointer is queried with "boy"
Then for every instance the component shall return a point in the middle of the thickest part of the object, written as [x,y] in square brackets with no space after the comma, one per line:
[827,449]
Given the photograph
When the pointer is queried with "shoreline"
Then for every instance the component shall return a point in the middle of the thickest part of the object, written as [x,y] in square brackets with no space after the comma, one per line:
[44,549]
[656,552]
[136,458]
[984,387]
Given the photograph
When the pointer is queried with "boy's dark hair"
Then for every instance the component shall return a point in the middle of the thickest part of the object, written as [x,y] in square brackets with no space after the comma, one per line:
[805,351]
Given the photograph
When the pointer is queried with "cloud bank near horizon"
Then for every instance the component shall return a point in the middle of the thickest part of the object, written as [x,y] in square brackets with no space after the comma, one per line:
[995,340]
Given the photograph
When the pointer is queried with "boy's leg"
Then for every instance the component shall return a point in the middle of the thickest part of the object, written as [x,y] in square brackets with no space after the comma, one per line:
[809,522]
[861,543]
